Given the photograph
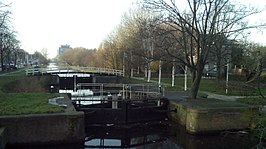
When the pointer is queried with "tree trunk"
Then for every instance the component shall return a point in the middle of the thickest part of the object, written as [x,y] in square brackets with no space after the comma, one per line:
[16,57]
[2,59]
[218,72]
[196,82]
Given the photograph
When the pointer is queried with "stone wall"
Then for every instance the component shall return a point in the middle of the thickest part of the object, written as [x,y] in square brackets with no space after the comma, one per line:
[3,137]
[207,120]
[44,128]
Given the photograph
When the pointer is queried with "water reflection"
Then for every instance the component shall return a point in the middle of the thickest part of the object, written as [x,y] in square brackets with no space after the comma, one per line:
[228,140]
[163,136]
[137,137]
[153,136]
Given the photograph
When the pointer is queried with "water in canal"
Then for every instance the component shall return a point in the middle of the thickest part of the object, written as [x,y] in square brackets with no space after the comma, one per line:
[164,135]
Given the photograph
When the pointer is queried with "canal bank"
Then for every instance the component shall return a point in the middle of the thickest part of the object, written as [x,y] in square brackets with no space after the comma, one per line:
[203,116]
[68,128]
[54,128]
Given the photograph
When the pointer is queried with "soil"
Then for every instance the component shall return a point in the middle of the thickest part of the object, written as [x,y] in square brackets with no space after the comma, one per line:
[29,84]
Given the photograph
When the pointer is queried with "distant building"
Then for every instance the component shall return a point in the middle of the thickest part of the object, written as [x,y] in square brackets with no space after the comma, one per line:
[63,48]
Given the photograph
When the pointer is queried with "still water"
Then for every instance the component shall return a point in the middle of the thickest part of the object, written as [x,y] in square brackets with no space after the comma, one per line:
[164,135]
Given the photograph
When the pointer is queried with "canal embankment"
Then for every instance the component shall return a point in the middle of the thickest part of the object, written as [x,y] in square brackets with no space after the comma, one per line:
[55,128]
[203,116]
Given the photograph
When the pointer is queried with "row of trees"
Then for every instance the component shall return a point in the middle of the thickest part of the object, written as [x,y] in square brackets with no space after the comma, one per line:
[80,57]
[192,34]
[10,50]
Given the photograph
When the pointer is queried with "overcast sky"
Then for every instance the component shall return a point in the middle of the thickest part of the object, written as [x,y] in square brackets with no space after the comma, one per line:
[78,23]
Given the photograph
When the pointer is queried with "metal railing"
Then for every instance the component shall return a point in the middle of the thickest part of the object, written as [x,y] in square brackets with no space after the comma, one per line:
[41,71]
[96,93]
[100,70]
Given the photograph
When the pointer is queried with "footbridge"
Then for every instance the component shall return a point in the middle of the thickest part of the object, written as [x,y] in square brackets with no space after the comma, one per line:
[73,69]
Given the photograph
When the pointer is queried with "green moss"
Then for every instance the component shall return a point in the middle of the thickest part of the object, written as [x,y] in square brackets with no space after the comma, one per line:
[179,112]
[260,128]
[72,124]
[214,104]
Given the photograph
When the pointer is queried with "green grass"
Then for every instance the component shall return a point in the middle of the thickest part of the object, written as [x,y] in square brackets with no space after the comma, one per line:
[236,88]
[127,80]
[24,103]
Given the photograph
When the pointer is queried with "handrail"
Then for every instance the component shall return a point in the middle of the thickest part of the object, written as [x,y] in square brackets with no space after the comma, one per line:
[108,71]
[100,70]
[125,90]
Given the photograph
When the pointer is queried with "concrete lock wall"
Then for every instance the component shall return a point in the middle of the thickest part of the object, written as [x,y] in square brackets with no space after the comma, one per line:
[178,112]
[198,120]
[3,140]
[44,128]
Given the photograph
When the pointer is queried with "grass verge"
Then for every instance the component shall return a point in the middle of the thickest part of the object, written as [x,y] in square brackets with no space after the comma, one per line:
[235,88]
[27,103]
[12,103]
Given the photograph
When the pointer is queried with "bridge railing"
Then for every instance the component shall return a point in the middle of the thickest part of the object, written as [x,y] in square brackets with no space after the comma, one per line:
[42,71]
[101,93]
[101,70]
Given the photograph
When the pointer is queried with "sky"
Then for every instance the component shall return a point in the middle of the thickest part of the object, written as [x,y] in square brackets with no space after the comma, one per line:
[79,23]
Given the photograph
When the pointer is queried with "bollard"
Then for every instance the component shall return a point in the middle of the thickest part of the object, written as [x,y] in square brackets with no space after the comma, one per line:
[52,89]
[158,103]
[114,102]
[109,99]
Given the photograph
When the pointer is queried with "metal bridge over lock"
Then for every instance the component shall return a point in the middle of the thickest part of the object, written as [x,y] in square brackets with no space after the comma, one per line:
[119,103]
[74,69]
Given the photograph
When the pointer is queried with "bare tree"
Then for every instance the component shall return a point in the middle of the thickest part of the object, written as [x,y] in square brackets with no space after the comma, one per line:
[197,24]
[8,41]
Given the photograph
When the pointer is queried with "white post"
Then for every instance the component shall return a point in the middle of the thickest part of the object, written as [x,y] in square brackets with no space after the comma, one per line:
[75,82]
[173,75]
[131,72]
[123,69]
[146,72]
[227,77]
[185,83]
[160,72]
[149,72]
[115,102]
[123,92]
